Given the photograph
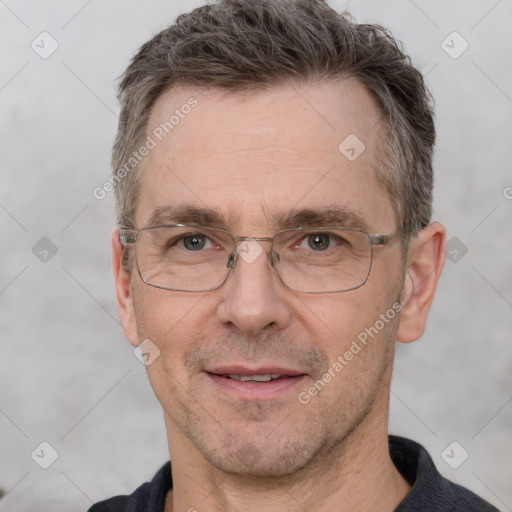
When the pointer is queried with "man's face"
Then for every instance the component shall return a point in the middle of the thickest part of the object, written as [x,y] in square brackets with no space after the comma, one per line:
[253,159]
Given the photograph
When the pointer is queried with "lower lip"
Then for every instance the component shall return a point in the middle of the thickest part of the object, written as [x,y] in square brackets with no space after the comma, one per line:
[256,390]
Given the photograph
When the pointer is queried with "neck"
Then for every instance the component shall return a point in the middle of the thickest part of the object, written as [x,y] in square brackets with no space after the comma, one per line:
[358,474]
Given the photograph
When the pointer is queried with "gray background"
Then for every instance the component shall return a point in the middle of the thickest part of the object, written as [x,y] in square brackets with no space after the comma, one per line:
[68,377]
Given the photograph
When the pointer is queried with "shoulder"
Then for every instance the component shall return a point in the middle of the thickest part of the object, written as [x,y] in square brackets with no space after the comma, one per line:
[150,496]
[429,489]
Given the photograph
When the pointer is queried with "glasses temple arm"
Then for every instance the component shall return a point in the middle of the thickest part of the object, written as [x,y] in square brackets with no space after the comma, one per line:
[127,236]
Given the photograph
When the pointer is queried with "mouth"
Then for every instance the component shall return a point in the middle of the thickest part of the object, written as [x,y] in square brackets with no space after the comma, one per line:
[255,383]
[265,377]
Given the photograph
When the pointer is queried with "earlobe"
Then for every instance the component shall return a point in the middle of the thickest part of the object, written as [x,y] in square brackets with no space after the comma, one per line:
[425,261]
[124,296]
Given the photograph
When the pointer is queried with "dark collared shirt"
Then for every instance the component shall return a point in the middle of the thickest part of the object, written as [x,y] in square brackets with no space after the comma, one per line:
[430,492]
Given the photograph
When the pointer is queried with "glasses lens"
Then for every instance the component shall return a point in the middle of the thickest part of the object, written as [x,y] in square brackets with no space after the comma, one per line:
[183,258]
[323,259]
[317,260]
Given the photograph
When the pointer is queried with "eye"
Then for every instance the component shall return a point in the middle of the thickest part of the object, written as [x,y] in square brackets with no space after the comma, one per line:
[194,241]
[319,241]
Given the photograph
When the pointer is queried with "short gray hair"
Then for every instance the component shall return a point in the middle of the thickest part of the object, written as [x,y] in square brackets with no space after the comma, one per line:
[252,45]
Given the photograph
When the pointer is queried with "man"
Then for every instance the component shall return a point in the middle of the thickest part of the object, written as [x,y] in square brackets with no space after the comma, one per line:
[273,171]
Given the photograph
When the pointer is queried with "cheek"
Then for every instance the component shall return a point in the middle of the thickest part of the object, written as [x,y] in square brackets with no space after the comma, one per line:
[336,319]
[172,320]
[357,329]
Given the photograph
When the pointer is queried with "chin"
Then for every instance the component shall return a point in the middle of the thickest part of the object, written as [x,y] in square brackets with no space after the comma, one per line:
[253,462]
[261,450]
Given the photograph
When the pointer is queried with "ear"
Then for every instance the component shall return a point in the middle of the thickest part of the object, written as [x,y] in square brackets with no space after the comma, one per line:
[122,280]
[425,261]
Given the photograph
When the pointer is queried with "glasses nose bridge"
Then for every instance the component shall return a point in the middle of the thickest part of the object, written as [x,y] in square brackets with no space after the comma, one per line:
[233,257]
[254,238]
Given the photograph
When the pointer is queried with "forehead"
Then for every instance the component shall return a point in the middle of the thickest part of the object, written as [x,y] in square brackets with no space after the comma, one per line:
[249,156]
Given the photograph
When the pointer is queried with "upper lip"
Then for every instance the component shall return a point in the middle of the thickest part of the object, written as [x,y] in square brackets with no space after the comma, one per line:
[261,370]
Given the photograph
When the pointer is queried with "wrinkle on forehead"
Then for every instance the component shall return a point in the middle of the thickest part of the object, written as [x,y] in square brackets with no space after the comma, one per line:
[251,157]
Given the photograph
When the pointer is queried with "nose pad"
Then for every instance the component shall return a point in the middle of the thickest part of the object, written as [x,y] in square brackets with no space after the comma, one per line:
[274,258]
[232,260]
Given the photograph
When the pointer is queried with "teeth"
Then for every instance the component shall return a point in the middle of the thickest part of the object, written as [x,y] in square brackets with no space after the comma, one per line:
[257,378]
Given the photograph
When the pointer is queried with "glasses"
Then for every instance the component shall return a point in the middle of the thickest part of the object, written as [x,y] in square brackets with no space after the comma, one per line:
[199,259]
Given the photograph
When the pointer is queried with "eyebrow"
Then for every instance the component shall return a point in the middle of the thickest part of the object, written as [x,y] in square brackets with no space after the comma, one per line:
[187,214]
[330,215]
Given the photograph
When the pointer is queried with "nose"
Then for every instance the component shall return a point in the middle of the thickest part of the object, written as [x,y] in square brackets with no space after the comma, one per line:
[253,296]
